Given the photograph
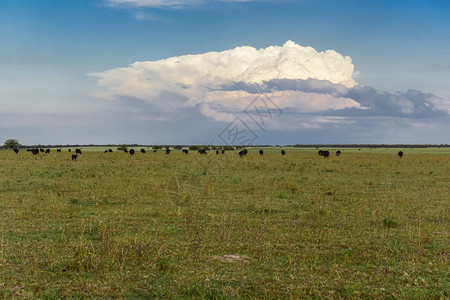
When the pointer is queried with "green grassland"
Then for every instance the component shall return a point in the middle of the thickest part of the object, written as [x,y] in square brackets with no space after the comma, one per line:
[366,224]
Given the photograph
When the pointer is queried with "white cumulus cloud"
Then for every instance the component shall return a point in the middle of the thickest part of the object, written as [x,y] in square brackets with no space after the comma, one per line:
[306,89]
[441,103]
[201,80]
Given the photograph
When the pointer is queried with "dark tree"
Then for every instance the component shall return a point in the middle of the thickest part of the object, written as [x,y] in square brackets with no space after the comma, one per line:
[11,144]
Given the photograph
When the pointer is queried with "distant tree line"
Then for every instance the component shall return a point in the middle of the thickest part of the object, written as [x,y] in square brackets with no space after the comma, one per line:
[13,143]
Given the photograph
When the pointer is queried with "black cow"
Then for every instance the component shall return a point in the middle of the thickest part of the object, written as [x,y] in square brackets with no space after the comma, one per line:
[217,151]
[167,151]
[142,150]
[338,153]
[324,153]
[110,150]
[125,150]
[70,150]
[400,154]
[185,151]
[131,151]
[58,150]
[243,153]
[74,157]
[202,151]
[16,150]
[223,151]
[47,151]
[283,152]
[35,151]
[106,151]
[261,152]
[78,151]
[42,150]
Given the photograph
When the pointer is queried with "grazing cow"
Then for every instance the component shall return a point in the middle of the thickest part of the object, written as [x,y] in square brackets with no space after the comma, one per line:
[142,150]
[125,150]
[74,157]
[131,151]
[42,150]
[217,151]
[110,150]
[35,151]
[400,154]
[70,150]
[16,150]
[223,151]
[154,150]
[106,151]
[78,151]
[338,153]
[261,152]
[58,150]
[47,151]
[167,151]
[283,152]
[202,151]
[185,151]
[243,153]
[324,153]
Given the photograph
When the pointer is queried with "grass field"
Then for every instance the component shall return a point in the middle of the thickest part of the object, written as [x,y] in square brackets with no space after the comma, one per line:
[363,225]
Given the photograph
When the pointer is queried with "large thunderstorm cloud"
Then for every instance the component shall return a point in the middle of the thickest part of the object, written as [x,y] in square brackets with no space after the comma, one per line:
[298,80]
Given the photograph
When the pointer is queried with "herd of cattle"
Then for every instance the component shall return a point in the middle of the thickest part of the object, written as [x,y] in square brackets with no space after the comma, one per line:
[35,151]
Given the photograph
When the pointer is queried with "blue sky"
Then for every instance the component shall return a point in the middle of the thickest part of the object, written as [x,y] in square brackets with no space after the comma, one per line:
[49,51]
